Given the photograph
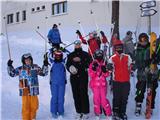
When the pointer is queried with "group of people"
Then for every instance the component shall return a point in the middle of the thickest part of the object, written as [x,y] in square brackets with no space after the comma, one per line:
[89,69]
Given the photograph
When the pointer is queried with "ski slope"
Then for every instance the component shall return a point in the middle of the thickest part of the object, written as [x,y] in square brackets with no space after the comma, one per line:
[11,101]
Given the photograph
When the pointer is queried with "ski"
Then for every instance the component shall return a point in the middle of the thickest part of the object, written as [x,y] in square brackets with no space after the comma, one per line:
[153,68]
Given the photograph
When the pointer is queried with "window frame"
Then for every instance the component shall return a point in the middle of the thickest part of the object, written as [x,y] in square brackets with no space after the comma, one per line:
[59,8]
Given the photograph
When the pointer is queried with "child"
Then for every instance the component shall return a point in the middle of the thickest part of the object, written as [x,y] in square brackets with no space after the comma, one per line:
[28,84]
[98,84]
[121,65]
[57,83]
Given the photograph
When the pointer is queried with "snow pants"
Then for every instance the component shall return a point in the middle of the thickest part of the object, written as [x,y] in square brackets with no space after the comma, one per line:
[141,88]
[57,99]
[80,94]
[100,101]
[120,96]
[29,107]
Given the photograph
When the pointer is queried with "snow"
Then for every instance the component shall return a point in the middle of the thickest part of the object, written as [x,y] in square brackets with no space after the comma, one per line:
[11,101]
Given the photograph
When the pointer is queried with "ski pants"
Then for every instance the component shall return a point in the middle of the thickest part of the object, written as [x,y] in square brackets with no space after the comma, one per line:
[80,95]
[120,96]
[29,107]
[141,88]
[57,99]
[100,100]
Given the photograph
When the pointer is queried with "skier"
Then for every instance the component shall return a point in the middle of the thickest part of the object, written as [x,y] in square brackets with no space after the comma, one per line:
[145,75]
[77,63]
[98,84]
[140,64]
[94,41]
[57,83]
[54,37]
[121,64]
[128,44]
[28,84]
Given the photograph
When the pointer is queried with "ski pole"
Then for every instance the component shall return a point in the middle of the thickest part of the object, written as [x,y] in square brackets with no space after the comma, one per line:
[91,12]
[69,44]
[9,51]
[112,29]
[86,40]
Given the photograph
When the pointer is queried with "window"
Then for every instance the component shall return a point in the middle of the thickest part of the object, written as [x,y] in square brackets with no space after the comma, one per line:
[17,16]
[38,8]
[33,9]
[23,15]
[43,7]
[9,18]
[59,8]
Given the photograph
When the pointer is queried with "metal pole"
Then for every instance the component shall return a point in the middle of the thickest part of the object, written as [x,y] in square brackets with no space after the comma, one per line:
[9,51]
[149,25]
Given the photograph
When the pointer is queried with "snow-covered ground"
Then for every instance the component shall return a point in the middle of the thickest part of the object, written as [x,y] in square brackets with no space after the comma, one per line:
[11,101]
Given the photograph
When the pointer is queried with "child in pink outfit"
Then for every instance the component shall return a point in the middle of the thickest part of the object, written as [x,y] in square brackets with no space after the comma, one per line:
[98,84]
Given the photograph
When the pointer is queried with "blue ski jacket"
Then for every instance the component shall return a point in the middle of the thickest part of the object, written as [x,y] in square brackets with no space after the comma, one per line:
[54,36]
[28,78]
[57,72]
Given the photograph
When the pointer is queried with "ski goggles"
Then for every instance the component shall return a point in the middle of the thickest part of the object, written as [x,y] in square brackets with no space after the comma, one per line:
[27,55]
[77,42]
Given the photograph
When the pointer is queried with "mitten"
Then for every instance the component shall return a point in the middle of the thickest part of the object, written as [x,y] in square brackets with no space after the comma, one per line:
[79,33]
[110,66]
[9,63]
[103,68]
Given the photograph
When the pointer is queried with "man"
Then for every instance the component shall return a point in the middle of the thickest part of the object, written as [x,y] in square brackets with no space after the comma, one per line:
[28,84]
[77,63]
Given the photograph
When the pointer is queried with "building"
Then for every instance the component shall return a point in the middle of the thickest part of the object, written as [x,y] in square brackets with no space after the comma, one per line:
[41,15]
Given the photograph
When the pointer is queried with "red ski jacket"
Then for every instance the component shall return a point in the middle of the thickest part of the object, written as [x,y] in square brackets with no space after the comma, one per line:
[121,67]
[94,43]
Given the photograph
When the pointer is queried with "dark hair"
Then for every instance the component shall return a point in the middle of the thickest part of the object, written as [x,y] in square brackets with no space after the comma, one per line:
[55,26]
[129,32]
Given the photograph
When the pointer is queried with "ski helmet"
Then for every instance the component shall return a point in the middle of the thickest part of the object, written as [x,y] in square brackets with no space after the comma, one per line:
[26,56]
[98,54]
[118,46]
[58,55]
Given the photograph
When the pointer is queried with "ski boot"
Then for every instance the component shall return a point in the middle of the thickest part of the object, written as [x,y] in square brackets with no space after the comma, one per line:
[78,116]
[123,116]
[97,117]
[138,109]
[115,116]
[84,117]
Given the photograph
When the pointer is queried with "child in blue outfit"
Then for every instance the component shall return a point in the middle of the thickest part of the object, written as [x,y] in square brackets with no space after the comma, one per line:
[57,83]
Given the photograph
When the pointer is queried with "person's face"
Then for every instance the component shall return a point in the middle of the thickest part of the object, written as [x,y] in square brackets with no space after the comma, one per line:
[28,61]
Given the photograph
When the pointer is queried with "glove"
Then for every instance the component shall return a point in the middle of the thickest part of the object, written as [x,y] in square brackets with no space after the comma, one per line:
[45,61]
[103,68]
[102,33]
[110,66]
[9,63]
[73,70]
[133,68]
[94,66]
[79,33]
[132,74]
